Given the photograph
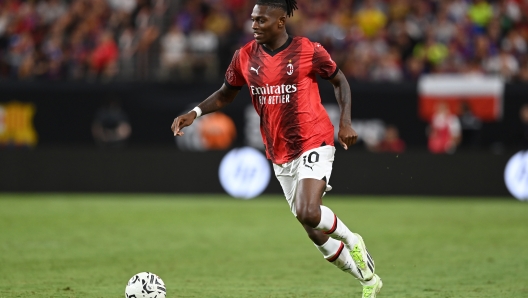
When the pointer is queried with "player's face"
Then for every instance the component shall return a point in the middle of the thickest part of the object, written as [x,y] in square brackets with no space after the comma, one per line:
[267,23]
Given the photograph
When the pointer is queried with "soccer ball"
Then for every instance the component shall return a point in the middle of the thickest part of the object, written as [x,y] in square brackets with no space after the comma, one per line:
[145,285]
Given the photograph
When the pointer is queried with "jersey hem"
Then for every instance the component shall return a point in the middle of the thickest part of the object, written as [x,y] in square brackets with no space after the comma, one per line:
[310,147]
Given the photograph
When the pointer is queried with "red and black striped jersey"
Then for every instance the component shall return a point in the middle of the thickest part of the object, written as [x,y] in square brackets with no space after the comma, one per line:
[285,94]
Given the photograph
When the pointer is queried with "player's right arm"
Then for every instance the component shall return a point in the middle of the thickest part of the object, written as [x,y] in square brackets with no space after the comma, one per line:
[222,97]
[219,99]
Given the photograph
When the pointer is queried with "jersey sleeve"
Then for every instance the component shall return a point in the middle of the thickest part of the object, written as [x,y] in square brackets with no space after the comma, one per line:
[322,63]
[233,77]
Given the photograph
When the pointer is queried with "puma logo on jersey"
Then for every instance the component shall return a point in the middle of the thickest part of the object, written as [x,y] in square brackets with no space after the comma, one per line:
[255,69]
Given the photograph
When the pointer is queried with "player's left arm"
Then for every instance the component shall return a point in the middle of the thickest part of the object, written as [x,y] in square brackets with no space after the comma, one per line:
[347,136]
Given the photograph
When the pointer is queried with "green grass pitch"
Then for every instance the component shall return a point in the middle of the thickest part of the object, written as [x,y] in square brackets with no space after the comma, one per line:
[215,246]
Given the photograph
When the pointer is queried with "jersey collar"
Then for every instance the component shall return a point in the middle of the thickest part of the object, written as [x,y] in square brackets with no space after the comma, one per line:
[279,49]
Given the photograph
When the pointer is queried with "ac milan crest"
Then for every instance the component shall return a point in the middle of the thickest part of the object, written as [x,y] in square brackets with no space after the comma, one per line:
[289,68]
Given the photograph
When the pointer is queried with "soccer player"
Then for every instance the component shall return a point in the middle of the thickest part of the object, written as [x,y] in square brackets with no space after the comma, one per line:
[280,72]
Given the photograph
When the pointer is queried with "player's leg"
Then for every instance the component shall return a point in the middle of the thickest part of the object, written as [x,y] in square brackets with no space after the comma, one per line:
[314,175]
[332,226]
[308,201]
[333,250]
[308,208]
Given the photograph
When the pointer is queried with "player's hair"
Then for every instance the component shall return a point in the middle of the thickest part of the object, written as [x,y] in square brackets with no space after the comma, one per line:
[287,5]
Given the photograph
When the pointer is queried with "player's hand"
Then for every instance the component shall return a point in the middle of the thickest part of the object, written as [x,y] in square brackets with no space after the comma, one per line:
[347,136]
[182,121]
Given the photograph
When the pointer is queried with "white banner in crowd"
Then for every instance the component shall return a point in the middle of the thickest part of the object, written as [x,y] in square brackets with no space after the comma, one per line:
[482,94]
[470,85]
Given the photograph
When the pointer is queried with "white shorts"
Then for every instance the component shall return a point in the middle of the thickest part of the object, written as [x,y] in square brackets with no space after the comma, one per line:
[315,163]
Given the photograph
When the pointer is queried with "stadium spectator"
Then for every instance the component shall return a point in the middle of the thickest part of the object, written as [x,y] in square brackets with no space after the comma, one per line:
[144,56]
[457,10]
[453,62]
[54,56]
[473,68]
[21,47]
[444,29]
[174,59]
[186,16]
[388,68]
[203,45]
[126,6]
[79,52]
[128,44]
[370,18]
[218,20]
[4,20]
[50,10]
[414,68]
[514,43]
[418,20]
[391,141]
[483,48]
[471,127]
[104,57]
[480,13]
[444,131]
[433,53]
[504,65]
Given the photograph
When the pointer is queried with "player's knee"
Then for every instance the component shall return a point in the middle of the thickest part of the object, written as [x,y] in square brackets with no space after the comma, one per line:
[309,215]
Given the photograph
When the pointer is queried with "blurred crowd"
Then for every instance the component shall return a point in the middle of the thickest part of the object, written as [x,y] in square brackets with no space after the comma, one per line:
[79,39]
[371,40]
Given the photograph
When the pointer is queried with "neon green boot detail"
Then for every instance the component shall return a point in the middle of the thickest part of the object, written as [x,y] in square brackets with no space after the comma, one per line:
[373,290]
[363,260]
[358,257]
